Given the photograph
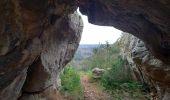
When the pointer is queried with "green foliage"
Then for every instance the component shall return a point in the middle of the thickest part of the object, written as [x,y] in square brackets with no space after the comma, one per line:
[103,57]
[117,72]
[70,83]
[69,79]
[118,80]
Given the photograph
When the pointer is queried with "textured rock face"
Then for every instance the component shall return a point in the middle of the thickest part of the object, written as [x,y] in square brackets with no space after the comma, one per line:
[148,69]
[146,19]
[37,38]
[59,48]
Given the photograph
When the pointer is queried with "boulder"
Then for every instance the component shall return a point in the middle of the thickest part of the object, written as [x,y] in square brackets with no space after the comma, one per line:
[97,72]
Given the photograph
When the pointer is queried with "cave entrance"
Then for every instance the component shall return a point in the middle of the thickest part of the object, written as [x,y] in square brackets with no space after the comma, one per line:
[98,68]
[95,34]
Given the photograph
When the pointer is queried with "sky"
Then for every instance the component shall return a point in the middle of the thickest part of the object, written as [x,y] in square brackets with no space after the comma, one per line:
[93,34]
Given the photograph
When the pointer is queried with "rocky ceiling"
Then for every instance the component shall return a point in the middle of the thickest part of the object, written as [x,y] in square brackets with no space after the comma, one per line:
[146,19]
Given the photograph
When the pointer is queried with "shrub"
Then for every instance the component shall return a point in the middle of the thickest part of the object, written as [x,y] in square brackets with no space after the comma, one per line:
[118,71]
[70,83]
[102,57]
[118,79]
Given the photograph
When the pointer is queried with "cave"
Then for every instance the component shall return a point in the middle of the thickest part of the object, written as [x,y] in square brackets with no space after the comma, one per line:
[39,37]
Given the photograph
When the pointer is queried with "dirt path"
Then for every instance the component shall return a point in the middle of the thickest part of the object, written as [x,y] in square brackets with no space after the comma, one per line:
[92,91]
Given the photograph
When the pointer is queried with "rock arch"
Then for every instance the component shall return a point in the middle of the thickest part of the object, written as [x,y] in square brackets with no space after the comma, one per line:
[50,30]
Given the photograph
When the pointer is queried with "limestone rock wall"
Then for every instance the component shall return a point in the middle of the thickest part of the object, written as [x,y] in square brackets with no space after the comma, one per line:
[58,50]
[146,67]
[37,38]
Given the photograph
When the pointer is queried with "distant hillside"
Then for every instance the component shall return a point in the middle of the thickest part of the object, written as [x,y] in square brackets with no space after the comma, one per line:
[88,45]
[85,51]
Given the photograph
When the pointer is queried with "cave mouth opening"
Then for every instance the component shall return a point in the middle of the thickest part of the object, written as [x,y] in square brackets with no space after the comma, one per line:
[95,34]
[96,60]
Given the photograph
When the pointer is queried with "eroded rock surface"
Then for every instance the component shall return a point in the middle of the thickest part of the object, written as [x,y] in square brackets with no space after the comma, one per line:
[38,37]
[58,50]
[146,67]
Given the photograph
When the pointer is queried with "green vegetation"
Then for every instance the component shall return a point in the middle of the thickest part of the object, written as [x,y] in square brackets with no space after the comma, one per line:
[70,83]
[116,74]
[117,79]
[102,57]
